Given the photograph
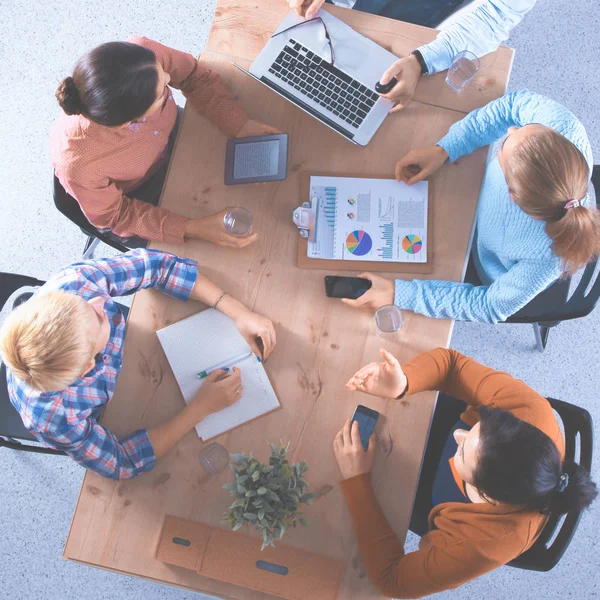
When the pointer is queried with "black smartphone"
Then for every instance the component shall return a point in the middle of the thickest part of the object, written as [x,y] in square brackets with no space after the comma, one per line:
[346,287]
[367,419]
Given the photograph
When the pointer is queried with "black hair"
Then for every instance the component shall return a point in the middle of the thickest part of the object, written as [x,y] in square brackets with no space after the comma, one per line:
[112,84]
[519,464]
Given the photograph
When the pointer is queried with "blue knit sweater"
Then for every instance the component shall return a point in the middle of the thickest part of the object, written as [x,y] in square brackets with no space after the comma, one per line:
[512,251]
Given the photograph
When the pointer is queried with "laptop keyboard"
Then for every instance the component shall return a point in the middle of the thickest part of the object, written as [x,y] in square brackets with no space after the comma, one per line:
[317,79]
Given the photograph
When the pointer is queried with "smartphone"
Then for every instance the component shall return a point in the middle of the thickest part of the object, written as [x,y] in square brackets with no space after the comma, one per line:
[367,419]
[346,287]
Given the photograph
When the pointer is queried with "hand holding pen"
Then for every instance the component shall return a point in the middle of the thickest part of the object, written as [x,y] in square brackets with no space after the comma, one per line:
[218,392]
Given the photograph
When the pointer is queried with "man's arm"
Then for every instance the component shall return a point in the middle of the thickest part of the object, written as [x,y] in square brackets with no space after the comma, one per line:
[480,30]
[204,89]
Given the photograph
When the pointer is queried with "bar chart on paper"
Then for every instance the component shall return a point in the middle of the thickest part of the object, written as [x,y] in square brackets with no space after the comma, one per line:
[380,220]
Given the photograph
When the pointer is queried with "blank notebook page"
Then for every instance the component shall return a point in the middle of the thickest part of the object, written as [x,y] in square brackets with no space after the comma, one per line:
[201,342]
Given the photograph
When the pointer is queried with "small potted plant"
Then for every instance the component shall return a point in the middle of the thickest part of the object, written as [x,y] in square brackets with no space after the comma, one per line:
[267,496]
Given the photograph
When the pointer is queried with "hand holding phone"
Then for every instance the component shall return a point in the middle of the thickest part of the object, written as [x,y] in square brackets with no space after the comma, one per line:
[346,287]
[350,453]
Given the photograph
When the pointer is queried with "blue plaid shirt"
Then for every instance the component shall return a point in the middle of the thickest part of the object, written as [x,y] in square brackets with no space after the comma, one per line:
[68,420]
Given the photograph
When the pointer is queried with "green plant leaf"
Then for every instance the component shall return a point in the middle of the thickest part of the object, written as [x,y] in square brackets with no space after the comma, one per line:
[250,493]
[273,496]
[250,517]
[242,478]
[241,489]
[229,486]
[256,475]
[237,526]
[262,491]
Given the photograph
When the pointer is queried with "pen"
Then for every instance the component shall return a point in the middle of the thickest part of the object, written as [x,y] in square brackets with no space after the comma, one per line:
[226,365]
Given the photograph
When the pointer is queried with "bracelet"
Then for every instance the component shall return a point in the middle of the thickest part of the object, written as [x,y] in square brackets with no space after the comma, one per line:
[421,61]
[219,299]
[403,393]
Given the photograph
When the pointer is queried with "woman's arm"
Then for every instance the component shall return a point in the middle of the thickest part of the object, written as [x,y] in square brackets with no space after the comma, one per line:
[203,89]
[489,123]
[452,560]
[466,302]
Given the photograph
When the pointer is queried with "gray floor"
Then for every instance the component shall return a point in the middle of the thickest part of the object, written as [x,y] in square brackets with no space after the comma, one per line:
[557,54]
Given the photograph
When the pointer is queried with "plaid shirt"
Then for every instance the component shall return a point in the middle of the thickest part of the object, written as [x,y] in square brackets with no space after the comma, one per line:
[68,420]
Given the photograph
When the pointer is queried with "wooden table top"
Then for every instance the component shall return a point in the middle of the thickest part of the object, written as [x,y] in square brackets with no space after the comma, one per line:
[320,342]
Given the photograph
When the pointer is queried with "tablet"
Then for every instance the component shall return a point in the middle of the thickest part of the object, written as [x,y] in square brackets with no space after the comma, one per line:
[256,159]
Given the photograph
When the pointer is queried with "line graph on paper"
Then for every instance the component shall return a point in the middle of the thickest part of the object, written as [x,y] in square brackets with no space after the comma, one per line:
[386,209]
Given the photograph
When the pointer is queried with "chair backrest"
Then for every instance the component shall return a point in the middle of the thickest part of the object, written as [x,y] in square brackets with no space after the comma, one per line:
[69,207]
[558,532]
[10,420]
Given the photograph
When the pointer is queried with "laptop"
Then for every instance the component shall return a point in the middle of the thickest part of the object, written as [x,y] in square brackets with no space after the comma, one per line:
[297,65]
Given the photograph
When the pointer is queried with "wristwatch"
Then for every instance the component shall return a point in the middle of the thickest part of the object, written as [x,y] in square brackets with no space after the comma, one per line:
[421,61]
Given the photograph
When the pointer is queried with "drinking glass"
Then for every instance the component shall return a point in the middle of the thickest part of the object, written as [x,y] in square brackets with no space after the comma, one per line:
[462,70]
[238,221]
[388,319]
[214,458]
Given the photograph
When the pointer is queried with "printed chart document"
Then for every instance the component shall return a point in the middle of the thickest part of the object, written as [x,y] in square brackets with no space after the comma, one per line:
[205,342]
[380,220]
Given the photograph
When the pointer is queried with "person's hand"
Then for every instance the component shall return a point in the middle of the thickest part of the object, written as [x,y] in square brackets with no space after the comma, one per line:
[219,390]
[257,331]
[379,294]
[253,128]
[420,164]
[306,8]
[384,379]
[349,452]
[212,229]
[407,71]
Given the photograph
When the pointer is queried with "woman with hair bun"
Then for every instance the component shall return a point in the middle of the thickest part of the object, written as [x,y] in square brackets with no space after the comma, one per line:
[490,479]
[535,221]
[111,144]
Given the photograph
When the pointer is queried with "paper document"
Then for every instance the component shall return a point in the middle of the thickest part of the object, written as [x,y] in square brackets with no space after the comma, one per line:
[379,220]
[210,338]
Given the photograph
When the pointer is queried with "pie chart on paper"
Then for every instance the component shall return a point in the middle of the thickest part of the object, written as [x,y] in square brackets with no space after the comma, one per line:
[359,243]
[412,244]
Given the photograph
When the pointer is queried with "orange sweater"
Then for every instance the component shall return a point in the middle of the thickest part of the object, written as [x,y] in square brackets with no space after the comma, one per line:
[465,540]
[99,165]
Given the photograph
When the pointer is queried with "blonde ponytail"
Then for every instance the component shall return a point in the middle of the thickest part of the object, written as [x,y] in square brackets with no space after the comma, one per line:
[544,173]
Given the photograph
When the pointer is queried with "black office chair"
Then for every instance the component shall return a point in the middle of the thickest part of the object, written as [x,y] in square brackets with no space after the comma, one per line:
[12,430]
[558,532]
[70,208]
[553,305]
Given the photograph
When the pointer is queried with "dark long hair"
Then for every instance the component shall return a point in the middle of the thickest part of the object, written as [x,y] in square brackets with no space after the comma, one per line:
[112,84]
[519,464]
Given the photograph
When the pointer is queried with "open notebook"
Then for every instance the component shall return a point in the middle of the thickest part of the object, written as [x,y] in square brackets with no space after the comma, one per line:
[209,340]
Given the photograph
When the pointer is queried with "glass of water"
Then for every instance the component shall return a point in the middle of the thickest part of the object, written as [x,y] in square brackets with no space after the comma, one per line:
[462,70]
[214,458]
[238,221]
[388,319]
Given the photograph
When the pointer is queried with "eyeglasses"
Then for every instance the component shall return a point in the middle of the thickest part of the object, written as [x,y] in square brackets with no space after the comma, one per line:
[327,36]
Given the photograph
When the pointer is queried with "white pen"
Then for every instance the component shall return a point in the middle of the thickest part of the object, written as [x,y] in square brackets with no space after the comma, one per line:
[226,365]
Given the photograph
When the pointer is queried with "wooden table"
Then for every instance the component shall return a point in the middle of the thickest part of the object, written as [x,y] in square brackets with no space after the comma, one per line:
[321,342]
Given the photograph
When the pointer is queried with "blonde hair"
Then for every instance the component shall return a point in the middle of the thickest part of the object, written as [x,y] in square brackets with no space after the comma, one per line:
[544,172]
[46,342]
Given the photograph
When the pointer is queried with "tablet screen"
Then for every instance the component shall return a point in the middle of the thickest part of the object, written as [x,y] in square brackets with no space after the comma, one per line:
[256,159]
